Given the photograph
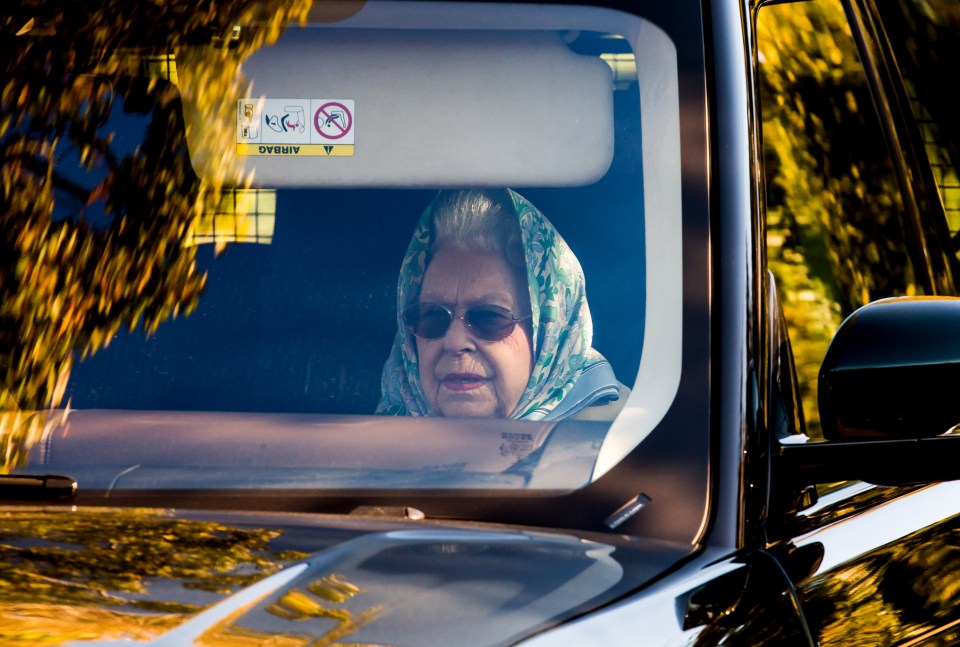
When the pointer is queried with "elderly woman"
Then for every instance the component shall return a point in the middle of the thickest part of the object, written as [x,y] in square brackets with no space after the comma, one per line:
[493,318]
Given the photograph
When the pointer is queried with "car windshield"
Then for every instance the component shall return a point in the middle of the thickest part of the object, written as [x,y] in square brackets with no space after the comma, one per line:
[354,245]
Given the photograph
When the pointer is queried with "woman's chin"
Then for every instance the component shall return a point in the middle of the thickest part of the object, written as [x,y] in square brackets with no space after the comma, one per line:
[469,412]
[469,408]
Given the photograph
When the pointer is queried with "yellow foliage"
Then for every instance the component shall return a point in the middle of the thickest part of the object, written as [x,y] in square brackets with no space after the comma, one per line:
[39,625]
[68,285]
[834,238]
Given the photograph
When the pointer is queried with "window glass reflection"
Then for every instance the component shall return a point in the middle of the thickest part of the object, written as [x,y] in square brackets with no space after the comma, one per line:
[835,239]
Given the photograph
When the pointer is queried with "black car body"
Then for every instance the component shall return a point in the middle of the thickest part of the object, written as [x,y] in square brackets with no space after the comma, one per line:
[757,183]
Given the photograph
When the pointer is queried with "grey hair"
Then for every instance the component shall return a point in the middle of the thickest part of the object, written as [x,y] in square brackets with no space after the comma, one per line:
[478,220]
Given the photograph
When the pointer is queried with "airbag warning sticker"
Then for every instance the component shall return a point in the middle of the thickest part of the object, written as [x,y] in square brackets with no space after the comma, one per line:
[295,127]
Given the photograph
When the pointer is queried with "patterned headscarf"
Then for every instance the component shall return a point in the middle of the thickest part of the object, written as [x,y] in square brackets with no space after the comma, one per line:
[568,374]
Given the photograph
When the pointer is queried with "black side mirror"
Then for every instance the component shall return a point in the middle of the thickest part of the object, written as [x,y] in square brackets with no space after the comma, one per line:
[888,392]
[893,371]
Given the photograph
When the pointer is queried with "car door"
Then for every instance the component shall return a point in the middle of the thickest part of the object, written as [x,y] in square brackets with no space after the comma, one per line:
[860,204]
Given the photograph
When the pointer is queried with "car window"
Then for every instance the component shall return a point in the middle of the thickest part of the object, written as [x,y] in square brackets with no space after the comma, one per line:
[229,223]
[836,237]
[923,38]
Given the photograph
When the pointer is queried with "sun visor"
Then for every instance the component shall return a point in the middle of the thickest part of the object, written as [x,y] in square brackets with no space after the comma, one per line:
[346,107]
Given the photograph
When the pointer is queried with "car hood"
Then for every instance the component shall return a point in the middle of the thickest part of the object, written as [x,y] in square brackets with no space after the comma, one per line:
[93,576]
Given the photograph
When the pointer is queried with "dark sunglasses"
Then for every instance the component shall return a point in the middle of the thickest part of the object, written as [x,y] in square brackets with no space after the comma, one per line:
[488,322]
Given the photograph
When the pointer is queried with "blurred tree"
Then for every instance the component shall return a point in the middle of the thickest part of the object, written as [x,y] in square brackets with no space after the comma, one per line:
[92,232]
[126,572]
[835,238]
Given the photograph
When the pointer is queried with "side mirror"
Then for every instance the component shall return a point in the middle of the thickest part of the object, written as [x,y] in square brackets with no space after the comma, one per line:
[888,393]
[893,370]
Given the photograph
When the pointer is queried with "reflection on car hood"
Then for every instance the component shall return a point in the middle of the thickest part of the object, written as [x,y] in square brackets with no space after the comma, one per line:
[108,574]
[428,587]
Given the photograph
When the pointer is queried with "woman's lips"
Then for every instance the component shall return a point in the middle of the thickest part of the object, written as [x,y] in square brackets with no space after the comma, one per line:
[463,381]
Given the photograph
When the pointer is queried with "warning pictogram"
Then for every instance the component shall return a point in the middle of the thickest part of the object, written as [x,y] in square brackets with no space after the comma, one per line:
[333,120]
[295,127]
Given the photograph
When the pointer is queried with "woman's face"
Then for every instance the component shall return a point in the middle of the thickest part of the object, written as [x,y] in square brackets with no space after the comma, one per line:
[460,374]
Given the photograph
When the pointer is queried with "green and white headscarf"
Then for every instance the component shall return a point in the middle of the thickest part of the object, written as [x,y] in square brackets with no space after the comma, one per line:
[568,374]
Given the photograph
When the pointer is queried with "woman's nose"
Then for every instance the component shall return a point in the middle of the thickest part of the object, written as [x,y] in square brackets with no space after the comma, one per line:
[459,337]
